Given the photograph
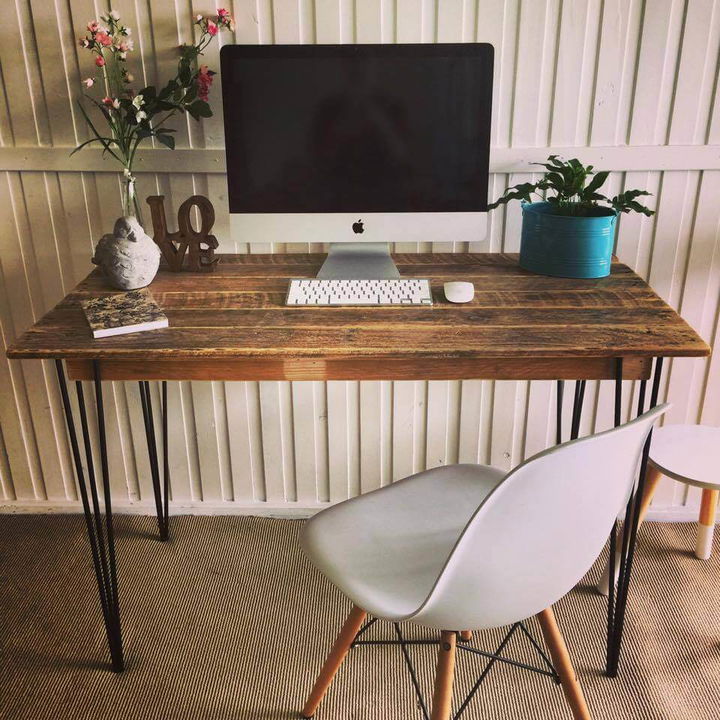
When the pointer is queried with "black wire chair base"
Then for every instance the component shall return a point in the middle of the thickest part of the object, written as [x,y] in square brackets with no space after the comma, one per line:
[492,657]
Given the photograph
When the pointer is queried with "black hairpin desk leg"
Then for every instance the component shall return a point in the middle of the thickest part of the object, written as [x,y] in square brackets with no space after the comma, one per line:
[102,539]
[617,599]
[161,494]
[578,399]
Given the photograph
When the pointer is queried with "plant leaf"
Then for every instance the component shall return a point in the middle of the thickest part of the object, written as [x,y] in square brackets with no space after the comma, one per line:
[184,72]
[104,141]
[199,109]
[98,136]
[597,181]
[517,192]
[625,202]
[167,141]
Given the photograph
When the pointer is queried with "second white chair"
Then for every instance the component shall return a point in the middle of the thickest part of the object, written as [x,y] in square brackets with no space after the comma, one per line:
[688,454]
[469,547]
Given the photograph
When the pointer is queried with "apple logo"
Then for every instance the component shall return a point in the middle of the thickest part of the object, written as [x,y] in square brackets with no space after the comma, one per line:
[357,227]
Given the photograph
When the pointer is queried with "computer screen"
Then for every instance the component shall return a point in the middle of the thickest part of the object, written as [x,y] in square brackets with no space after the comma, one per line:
[357,128]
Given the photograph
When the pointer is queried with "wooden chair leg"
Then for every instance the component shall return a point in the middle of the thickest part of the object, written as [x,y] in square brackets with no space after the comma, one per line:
[706,526]
[466,635]
[563,665]
[652,478]
[444,675]
[334,660]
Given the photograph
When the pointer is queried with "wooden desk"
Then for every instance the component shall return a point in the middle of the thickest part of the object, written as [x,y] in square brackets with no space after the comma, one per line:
[233,325]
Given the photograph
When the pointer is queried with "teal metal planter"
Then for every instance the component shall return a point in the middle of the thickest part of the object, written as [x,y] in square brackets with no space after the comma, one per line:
[566,246]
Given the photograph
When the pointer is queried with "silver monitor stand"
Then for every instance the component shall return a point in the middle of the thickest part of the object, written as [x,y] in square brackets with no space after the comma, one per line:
[358,261]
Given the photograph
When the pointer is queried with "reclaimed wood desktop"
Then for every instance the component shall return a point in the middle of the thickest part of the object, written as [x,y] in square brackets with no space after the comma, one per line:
[233,325]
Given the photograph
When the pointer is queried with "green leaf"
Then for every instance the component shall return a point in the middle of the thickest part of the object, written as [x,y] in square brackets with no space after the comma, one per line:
[184,72]
[105,142]
[168,90]
[555,180]
[149,93]
[167,141]
[199,109]
[597,181]
[517,192]
[625,202]
[191,94]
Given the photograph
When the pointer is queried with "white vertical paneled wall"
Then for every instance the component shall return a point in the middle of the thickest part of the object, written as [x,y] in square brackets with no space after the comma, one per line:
[629,85]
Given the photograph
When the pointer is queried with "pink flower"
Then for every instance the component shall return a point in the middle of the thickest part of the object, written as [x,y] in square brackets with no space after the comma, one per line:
[212,28]
[107,101]
[99,61]
[92,26]
[111,102]
[85,42]
[88,82]
[204,81]
[224,18]
[103,39]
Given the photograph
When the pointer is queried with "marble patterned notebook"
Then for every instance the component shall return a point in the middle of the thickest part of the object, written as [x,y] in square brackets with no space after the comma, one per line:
[133,311]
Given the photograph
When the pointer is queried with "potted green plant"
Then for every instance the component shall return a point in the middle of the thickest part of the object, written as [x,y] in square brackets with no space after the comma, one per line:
[571,231]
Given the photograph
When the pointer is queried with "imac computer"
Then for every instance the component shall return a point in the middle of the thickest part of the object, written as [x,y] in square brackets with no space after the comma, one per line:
[357,146]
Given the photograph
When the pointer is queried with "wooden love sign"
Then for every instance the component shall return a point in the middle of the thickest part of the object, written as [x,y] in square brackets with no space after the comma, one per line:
[199,245]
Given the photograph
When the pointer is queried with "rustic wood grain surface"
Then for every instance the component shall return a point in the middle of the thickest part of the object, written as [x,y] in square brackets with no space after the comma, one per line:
[234,324]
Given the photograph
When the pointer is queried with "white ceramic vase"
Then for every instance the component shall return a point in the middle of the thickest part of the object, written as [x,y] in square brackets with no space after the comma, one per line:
[128,257]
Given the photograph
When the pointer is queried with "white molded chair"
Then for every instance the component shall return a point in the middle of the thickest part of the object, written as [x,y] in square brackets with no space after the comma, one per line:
[468,547]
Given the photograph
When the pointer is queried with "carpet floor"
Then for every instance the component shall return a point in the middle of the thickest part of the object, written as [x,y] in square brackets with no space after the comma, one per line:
[229,620]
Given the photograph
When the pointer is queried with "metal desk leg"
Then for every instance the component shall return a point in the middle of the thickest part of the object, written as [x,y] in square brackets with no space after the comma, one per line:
[558,411]
[577,409]
[617,601]
[102,541]
[576,413]
[161,495]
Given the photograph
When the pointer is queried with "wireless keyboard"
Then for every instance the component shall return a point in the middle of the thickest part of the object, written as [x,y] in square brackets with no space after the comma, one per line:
[402,291]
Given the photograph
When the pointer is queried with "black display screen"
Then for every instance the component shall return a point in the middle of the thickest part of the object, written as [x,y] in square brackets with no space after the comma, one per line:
[357,128]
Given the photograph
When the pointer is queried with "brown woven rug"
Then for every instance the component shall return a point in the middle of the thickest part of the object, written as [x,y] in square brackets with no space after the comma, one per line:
[229,620]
